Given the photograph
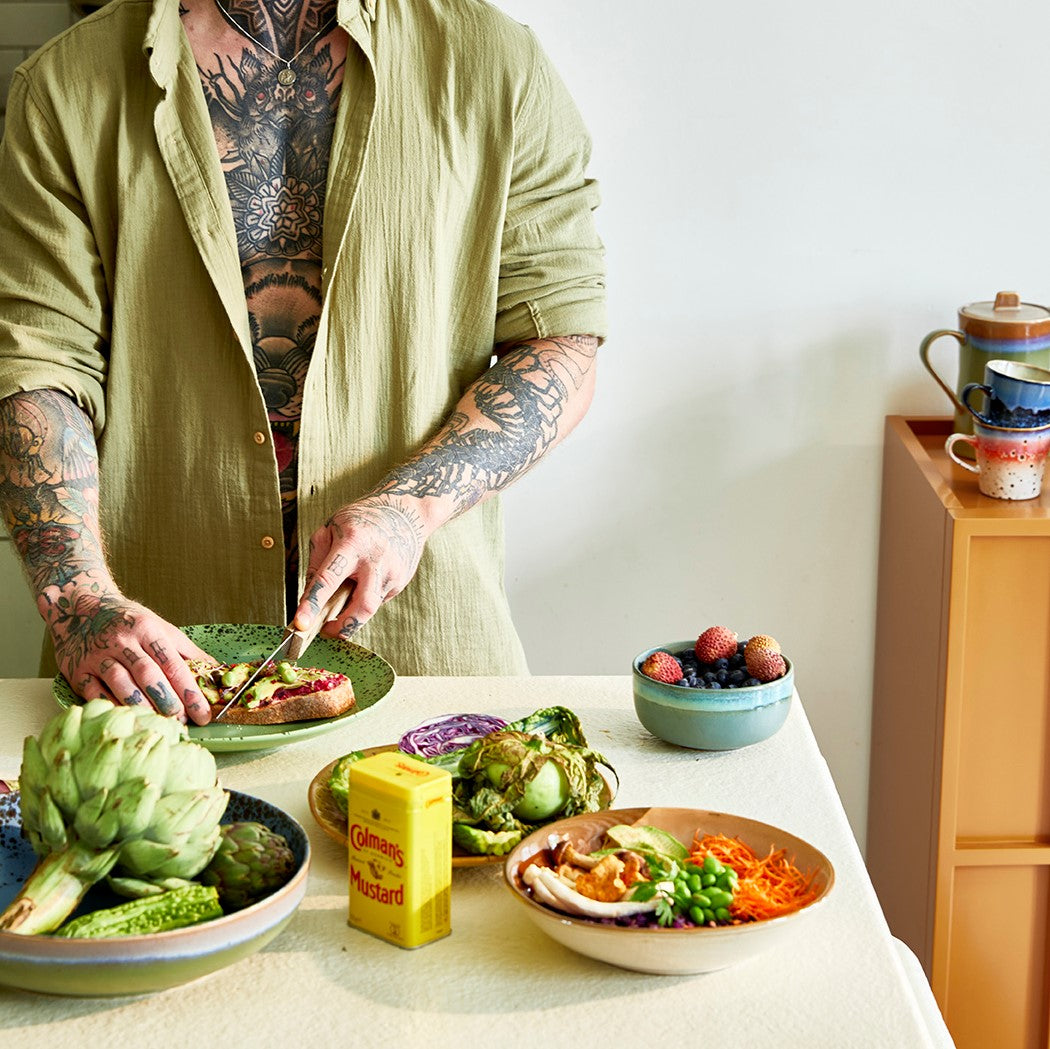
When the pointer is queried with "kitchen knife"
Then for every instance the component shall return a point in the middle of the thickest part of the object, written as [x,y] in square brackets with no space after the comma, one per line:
[295,642]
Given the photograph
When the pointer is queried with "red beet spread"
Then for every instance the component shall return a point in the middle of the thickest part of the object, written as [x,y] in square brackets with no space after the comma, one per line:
[321,684]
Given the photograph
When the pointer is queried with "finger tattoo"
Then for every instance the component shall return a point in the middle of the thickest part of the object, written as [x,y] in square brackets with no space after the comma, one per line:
[350,628]
[163,698]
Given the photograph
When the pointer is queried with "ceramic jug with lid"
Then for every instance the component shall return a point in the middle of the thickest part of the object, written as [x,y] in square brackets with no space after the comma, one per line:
[1005,329]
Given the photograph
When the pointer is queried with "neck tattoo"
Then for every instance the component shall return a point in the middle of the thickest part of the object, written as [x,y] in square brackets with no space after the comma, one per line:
[287,75]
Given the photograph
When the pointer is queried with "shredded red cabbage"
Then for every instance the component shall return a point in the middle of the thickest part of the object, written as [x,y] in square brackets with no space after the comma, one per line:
[448,732]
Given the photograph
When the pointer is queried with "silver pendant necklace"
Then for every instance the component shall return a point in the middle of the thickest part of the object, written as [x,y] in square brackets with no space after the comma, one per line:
[286,76]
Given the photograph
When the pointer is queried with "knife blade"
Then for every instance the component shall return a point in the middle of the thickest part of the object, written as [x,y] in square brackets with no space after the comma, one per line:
[294,642]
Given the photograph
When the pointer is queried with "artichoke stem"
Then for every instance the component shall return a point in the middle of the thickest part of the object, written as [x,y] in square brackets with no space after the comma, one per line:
[58,883]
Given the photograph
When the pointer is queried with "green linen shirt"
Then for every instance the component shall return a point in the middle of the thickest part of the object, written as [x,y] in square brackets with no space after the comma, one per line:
[458,216]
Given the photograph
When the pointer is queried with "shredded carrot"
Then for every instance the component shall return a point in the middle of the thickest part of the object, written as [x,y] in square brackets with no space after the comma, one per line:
[766,887]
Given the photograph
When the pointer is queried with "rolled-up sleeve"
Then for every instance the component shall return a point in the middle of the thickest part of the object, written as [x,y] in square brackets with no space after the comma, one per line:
[552,272]
[54,309]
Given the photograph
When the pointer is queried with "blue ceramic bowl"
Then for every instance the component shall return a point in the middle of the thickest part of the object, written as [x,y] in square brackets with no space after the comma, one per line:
[710,719]
[141,964]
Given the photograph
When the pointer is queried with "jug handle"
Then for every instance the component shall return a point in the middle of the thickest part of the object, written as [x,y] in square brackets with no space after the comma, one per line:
[924,354]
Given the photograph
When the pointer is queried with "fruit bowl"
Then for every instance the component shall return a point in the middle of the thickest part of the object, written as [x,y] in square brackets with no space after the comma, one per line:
[141,964]
[705,718]
[668,951]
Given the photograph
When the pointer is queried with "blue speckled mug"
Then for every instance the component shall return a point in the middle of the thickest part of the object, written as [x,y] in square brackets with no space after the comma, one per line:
[1016,395]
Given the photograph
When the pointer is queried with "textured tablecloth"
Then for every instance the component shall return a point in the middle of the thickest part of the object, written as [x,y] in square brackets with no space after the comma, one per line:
[497,980]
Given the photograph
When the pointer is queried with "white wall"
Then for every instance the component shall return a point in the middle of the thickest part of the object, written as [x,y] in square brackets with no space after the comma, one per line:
[794,194]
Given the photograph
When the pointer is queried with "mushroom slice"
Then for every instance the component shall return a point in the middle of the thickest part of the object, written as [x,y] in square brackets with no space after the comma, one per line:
[546,884]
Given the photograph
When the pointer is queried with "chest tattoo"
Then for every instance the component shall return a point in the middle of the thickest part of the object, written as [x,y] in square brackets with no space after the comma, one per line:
[271,72]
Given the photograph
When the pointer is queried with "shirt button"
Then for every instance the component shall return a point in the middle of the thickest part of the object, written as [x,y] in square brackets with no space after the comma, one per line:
[267,542]
[259,438]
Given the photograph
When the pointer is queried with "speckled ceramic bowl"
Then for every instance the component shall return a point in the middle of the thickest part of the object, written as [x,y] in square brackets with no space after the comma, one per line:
[141,964]
[710,719]
[372,677]
[668,952]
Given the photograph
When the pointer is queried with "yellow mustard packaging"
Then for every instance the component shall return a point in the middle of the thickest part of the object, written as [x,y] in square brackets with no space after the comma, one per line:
[399,830]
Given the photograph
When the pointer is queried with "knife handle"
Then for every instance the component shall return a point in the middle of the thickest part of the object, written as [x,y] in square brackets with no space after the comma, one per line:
[301,639]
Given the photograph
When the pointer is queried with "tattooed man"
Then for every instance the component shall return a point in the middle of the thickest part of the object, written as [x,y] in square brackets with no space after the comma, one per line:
[278,270]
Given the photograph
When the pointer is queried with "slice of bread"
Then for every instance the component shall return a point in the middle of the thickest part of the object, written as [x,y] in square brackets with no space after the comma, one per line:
[308,707]
[313,694]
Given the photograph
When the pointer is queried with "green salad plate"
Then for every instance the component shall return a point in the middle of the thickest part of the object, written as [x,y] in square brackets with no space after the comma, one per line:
[371,675]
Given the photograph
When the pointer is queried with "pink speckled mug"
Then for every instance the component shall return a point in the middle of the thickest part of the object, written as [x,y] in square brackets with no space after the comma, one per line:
[1010,462]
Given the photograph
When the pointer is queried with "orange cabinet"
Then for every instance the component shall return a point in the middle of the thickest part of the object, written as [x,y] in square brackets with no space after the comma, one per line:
[959,806]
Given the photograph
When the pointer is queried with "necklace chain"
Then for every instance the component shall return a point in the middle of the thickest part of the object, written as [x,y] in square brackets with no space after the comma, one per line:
[287,75]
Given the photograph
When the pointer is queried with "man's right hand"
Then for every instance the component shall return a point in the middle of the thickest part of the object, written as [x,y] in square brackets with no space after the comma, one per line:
[105,644]
[118,649]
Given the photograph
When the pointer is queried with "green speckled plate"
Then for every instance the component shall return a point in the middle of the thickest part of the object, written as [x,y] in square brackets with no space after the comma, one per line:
[372,677]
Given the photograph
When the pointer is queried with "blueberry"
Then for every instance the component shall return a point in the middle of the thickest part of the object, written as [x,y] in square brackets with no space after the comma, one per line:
[740,646]
[736,661]
[752,681]
[682,681]
[710,675]
[737,677]
[720,664]
[713,684]
[722,676]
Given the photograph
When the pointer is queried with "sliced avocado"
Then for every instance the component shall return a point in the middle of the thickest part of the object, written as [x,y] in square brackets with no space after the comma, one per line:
[647,839]
[236,675]
[339,780]
[481,842]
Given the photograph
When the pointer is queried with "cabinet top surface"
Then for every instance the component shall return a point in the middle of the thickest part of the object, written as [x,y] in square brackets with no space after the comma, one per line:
[923,438]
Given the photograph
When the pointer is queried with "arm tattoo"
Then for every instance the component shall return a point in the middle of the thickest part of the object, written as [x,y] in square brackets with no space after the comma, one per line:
[49,486]
[522,397]
[49,502]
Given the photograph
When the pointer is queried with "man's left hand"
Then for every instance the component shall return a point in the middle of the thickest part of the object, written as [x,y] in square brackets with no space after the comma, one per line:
[374,545]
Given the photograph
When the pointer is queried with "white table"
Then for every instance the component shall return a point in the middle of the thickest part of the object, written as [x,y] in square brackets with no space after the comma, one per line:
[497,980]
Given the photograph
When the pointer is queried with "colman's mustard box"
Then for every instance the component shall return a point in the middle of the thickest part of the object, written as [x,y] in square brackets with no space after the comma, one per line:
[399,829]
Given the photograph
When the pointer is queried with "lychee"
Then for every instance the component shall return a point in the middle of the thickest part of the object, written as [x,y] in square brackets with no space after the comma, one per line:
[764,664]
[716,642]
[763,641]
[662,666]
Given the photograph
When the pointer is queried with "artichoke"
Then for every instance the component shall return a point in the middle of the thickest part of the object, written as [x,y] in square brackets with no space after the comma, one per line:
[108,788]
[250,863]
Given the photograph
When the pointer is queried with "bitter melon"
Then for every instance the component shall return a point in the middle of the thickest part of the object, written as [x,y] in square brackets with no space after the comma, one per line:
[173,909]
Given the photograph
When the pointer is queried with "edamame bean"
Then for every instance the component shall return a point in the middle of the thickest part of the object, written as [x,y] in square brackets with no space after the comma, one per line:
[707,879]
[701,899]
[711,864]
[696,915]
[722,914]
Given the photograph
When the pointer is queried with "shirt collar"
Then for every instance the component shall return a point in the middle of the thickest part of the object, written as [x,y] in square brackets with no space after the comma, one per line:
[163,38]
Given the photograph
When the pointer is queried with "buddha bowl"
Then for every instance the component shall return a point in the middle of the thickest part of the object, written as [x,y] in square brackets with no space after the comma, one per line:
[669,951]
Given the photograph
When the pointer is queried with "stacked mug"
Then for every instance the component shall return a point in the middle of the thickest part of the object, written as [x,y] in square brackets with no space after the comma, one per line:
[1005,343]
